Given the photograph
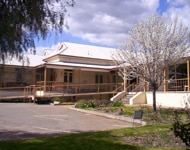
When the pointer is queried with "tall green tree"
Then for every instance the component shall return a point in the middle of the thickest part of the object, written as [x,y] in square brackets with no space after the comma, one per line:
[23,20]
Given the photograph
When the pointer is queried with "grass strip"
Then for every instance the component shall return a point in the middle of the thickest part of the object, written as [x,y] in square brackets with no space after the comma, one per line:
[110,140]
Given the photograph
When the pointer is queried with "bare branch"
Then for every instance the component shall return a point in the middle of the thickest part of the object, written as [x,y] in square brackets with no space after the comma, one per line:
[152,46]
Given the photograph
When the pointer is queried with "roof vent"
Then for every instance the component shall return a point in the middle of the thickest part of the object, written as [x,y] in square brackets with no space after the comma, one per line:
[62,46]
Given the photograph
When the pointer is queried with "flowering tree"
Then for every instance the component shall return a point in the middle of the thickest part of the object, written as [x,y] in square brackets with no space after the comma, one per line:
[152,45]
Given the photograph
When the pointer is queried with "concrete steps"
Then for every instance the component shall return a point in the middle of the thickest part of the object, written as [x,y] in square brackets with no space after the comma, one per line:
[127,97]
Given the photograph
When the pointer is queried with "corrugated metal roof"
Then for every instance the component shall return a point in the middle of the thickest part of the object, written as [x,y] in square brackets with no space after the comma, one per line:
[81,65]
[81,50]
[29,60]
[68,49]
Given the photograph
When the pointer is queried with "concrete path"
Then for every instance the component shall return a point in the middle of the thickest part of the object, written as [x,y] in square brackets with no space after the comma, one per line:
[26,120]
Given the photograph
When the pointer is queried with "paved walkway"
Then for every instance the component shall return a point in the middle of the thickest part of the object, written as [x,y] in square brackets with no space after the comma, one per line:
[26,120]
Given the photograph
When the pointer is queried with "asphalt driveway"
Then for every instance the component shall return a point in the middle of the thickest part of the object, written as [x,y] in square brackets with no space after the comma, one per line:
[26,120]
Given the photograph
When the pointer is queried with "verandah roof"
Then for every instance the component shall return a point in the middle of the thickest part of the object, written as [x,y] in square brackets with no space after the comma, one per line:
[29,60]
[90,67]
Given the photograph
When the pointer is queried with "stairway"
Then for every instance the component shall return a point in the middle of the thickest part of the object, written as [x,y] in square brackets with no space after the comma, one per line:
[127,97]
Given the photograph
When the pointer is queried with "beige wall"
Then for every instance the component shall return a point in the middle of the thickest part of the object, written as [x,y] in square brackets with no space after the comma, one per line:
[77,76]
[89,76]
[59,75]
[139,98]
[85,77]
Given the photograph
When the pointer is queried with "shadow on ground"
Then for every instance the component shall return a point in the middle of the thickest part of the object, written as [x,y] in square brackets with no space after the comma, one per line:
[13,135]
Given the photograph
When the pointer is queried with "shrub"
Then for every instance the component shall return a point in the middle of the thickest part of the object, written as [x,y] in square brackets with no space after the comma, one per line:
[86,104]
[181,125]
[102,103]
[91,104]
[117,104]
[80,104]
[58,99]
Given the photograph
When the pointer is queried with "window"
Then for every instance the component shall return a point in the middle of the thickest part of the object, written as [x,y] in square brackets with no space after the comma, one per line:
[98,78]
[68,76]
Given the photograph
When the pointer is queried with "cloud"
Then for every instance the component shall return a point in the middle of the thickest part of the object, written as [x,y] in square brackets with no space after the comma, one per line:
[41,50]
[107,22]
[180,8]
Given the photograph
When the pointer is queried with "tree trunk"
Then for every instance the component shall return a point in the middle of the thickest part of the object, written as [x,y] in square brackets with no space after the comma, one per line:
[154,98]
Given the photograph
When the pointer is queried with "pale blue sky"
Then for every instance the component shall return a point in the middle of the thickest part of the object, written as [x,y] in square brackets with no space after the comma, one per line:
[106,23]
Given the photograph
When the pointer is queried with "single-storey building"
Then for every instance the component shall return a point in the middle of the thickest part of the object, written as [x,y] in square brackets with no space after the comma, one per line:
[76,70]
[68,70]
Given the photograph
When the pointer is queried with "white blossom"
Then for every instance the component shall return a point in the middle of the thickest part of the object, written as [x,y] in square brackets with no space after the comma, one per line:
[152,45]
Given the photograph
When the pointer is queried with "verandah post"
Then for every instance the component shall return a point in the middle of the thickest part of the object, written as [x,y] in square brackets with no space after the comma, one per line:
[188,75]
[45,78]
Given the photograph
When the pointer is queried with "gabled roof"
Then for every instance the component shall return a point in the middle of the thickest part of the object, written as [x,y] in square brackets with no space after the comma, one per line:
[70,50]
[81,50]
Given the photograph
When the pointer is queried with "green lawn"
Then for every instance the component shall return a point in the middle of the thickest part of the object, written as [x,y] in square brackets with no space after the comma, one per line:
[104,140]
[82,141]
